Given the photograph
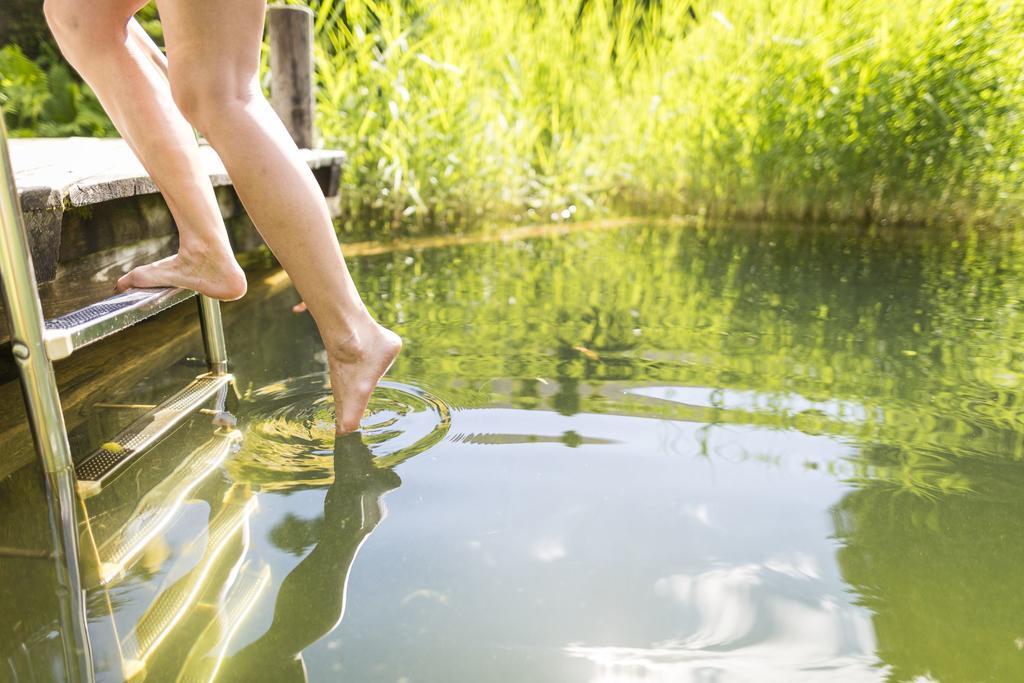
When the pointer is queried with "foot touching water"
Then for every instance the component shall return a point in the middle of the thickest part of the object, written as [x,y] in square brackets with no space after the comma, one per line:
[356,363]
[356,366]
[216,277]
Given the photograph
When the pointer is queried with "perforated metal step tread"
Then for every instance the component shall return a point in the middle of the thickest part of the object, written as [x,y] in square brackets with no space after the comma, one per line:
[161,504]
[68,333]
[99,467]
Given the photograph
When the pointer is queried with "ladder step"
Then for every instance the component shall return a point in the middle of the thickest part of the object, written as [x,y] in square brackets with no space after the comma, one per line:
[172,605]
[99,467]
[207,655]
[68,333]
[160,505]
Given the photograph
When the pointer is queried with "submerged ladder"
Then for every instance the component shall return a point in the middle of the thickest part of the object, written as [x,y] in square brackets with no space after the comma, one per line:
[35,344]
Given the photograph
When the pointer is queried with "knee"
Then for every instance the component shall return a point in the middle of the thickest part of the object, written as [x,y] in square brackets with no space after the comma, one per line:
[80,29]
[62,16]
[209,100]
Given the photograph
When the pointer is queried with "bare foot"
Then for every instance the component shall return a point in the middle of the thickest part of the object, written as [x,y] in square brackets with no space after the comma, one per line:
[216,277]
[356,367]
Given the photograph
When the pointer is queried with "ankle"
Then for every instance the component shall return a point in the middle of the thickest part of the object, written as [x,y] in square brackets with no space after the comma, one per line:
[351,340]
[197,252]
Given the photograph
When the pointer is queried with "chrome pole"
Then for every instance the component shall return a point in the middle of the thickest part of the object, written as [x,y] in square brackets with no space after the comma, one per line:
[213,335]
[42,405]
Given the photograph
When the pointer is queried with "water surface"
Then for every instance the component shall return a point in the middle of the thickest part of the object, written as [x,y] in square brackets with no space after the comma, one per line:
[639,454]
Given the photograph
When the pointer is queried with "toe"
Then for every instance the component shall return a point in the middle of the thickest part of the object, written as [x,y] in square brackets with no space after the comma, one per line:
[142,276]
[351,414]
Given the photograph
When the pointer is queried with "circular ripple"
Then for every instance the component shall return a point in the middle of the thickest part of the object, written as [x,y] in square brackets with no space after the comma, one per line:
[289,430]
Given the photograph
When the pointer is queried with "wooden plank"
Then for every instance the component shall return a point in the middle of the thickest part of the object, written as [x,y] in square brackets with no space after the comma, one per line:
[73,172]
[62,182]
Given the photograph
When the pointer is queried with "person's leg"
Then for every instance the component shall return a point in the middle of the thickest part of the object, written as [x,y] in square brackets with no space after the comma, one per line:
[115,56]
[213,51]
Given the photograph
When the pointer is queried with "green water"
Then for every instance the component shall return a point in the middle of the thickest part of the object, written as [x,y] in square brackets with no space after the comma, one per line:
[641,454]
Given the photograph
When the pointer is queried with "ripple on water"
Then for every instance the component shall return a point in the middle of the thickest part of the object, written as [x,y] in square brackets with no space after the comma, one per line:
[289,430]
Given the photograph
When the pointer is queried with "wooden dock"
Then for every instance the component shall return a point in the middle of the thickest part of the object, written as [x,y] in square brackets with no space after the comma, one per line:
[93,213]
[54,174]
[57,176]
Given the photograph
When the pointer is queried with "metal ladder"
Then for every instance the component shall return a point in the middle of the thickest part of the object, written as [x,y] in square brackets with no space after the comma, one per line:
[35,344]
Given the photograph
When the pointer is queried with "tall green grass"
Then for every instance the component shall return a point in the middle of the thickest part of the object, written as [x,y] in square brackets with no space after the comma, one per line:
[865,110]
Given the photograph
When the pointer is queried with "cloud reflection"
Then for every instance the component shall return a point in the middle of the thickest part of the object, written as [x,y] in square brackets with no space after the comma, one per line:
[751,622]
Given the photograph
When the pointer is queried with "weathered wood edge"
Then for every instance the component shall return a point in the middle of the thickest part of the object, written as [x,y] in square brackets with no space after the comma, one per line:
[78,185]
[106,188]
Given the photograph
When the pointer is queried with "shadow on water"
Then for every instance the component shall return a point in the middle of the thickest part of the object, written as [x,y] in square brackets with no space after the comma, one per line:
[311,599]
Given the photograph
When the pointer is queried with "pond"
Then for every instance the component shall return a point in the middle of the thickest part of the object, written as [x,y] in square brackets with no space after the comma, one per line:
[642,453]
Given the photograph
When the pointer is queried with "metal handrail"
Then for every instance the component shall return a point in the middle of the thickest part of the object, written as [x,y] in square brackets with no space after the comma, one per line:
[213,335]
[42,405]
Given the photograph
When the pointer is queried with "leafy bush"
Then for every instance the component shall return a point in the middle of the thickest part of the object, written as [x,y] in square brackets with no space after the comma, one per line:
[44,98]
[456,112]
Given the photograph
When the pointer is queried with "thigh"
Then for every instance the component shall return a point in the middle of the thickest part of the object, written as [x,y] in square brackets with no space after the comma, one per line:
[216,38]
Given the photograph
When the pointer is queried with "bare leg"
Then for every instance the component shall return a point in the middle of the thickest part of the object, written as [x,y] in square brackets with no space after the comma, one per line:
[125,68]
[213,51]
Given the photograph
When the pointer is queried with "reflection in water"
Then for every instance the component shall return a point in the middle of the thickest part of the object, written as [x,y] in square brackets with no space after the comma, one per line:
[662,453]
[941,576]
[311,599]
[202,588]
[754,622]
[788,405]
[569,438]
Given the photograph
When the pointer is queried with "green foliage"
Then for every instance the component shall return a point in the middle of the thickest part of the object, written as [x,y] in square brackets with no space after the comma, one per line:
[873,111]
[40,95]
[44,98]
[453,113]
[24,25]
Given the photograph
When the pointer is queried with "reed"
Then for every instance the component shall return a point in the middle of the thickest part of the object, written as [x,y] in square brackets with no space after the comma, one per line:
[909,112]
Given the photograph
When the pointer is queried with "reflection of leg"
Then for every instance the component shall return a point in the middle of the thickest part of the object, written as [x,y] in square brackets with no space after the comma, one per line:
[213,53]
[127,71]
[311,600]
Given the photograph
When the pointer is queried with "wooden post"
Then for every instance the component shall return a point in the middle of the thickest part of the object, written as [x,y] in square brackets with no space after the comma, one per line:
[291,71]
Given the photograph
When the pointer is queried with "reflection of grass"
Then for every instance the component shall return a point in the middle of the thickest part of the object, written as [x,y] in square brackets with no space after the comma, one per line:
[940,577]
[866,110]
[819,313]
[826,315]
[928,475]
[279,453]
